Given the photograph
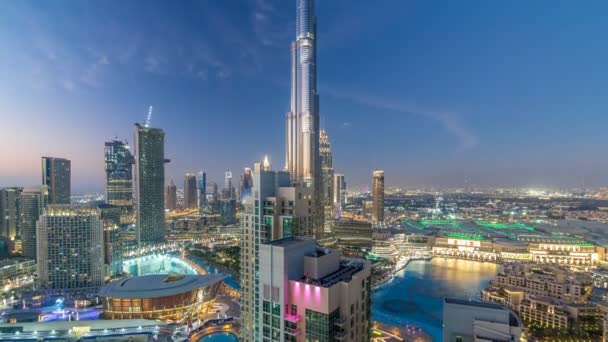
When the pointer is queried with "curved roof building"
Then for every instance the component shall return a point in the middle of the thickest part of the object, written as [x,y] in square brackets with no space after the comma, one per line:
[157,296]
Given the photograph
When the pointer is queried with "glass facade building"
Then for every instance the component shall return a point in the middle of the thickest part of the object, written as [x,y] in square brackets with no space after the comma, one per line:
[56,175]
[378,196]
[150,184]
[32,204]
[119,178]
[302,159]
[190,191]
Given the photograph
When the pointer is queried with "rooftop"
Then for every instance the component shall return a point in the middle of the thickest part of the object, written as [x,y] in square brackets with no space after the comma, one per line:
[157,285]
[348,268]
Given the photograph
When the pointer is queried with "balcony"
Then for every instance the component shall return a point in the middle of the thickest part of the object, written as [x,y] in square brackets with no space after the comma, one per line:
[339,336]
[292,331]
[292,318]
[340,322]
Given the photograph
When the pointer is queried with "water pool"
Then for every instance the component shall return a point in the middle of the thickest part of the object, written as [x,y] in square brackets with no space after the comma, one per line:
[219,337]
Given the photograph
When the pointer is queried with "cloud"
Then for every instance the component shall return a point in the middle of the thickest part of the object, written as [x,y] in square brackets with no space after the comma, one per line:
[346,124]
[451,122]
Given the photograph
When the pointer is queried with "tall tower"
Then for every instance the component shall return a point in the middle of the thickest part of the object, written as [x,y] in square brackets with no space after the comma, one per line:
[119,178]
[10,213]
[190,197]
[171,196]
[378,196]
[150,184]
[32,204]
[327,179]
[302,121]
[202,190]
[339,192]
[276,209]
[56,175]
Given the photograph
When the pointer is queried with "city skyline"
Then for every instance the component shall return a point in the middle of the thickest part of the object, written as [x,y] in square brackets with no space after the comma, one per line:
[484,101]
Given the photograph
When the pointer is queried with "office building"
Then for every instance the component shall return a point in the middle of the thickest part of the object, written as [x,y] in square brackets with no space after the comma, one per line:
[56,175]
[202,190]
[119,178]
[190,191]
[339,193]
[470,321]
[302,121]
[70,248]
[275,210]
[150,184]
[378,196]
[171,197]
[327,180]
[10,215]
[32,204]
[312,294]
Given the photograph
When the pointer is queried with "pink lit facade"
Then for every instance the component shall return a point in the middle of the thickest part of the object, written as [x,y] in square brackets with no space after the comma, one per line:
[307,293]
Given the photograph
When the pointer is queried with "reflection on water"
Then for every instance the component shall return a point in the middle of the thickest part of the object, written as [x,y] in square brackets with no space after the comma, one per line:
[417,295]
[219,337]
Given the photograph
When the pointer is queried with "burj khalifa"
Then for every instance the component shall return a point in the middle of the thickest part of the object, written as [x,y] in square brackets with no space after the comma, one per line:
[302,121]
[303,118]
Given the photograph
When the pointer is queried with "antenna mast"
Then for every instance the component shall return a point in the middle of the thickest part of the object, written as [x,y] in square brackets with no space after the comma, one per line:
[147,124]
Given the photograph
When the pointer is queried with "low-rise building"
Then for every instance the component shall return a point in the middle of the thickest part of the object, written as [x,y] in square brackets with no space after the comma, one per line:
[471,321]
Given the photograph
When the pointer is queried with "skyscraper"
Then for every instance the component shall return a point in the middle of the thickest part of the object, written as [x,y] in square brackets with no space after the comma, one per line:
[228,187]
[32,204]
[70,248]
[110,216]
[171,197]
[119,178]
[10,215]
[56,175]
[190,191]
[339,192]
[275,210]
[246,184]
[327,179]
[378,196]
[202,190]
[150,184]
[302,121]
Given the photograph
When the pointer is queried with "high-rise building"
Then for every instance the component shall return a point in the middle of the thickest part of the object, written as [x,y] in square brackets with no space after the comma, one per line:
[56,175]
[171,197]
[468,321]
[70,248]
[275,210]
[339,192]
[327,180]
[32,204]
[10,216]
[229,191]
[190,191]
[227,211]
[202,190]
[311,294]
[119,178]
[110,216]
[246,185]
[302,121]
[378,196]
[150,184]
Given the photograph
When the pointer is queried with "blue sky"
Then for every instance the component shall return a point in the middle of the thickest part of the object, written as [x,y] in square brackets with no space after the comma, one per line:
[500,93]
